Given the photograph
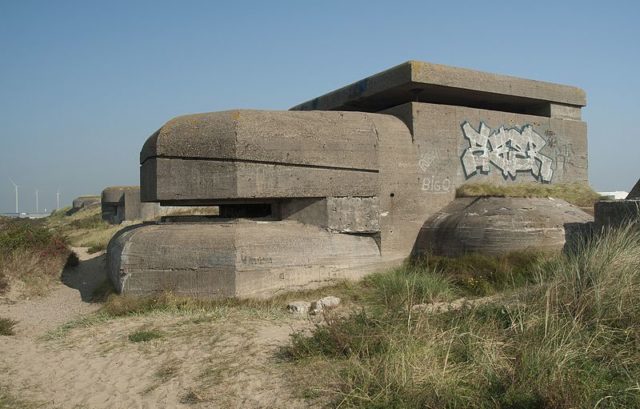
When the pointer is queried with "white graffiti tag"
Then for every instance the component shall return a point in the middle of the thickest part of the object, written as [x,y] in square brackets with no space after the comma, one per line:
[510,150]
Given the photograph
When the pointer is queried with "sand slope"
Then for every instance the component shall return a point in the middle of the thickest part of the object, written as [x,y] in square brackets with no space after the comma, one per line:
[225,359]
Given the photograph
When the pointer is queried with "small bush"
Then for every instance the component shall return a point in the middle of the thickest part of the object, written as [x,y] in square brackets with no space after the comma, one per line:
[31,253]
[145,335]
[30,235]
[6,326]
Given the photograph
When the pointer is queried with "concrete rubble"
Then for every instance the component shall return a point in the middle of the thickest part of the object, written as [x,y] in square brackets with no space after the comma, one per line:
[315,307]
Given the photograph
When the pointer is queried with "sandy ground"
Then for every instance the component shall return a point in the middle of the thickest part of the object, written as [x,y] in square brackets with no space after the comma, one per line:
[224,359]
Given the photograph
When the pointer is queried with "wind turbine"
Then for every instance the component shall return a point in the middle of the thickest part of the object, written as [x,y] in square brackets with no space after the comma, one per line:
[16,187]
[58,199]
[37,203]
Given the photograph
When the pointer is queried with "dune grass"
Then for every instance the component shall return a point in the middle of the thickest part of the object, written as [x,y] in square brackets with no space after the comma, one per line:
[6,326]
[579,194]
[31,254]
[84,228]
[145,335]
[570,340]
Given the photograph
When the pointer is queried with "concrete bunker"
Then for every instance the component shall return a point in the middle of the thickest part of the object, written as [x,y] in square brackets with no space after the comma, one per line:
[82,202]
[339,186]
[122,203]
[616,213]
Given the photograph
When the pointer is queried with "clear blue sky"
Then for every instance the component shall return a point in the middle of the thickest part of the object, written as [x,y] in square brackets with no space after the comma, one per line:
[84,83]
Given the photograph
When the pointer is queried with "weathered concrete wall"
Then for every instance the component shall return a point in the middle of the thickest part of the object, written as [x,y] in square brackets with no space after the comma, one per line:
[466,127]
[336,214]
[82,202]
[324,189]
[499,225]
[260,154]
[419,81]
[122,203]
[616,213]
[241,258]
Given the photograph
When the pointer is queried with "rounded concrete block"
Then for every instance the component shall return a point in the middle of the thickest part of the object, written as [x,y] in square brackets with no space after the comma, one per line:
[246,154]
[241,258]
[85,201]
[499,225]
[114,194]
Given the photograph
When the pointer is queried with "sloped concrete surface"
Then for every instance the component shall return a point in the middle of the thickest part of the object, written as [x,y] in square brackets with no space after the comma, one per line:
[497,225]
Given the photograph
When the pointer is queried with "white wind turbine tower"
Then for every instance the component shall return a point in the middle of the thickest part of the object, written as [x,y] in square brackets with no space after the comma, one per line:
[37,203]
[16,187]
[58,199]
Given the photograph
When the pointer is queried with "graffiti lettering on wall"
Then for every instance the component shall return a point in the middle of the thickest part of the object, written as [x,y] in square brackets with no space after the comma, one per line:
[431,183]
[511,150]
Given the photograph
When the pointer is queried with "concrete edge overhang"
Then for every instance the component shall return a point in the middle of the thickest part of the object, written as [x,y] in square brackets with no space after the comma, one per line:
[415,81]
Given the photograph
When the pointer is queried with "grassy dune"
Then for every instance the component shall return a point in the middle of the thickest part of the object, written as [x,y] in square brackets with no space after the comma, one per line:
[84,228]
[30,254]
[568,337]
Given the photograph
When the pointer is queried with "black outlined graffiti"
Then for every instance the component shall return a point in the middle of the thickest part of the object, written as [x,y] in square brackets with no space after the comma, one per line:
[511,150]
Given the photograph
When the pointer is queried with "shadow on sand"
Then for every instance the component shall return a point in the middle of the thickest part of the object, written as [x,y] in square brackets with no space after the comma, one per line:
[87,276]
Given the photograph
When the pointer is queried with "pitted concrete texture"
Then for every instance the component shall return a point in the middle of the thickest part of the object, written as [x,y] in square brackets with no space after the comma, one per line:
[261,154]
[525,131]
[364,166]
[616,213]
[82,202]
[122,203]
[425,82]
[235,258]
[635,192]
[336,214]
[497,225]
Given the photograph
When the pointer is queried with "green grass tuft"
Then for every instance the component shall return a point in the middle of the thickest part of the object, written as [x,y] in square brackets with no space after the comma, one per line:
[6,326]
[478,274]
[145,335]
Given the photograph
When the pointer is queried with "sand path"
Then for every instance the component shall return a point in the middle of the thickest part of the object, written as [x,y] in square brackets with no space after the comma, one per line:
[219,359]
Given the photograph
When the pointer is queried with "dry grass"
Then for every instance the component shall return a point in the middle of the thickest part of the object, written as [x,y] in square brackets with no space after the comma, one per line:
[84,228]
[31,255]
[145,335]
[569,341]
[10,401]
[579,194]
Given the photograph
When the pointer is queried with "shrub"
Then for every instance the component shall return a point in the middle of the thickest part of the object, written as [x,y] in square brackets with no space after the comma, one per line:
[31,253]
